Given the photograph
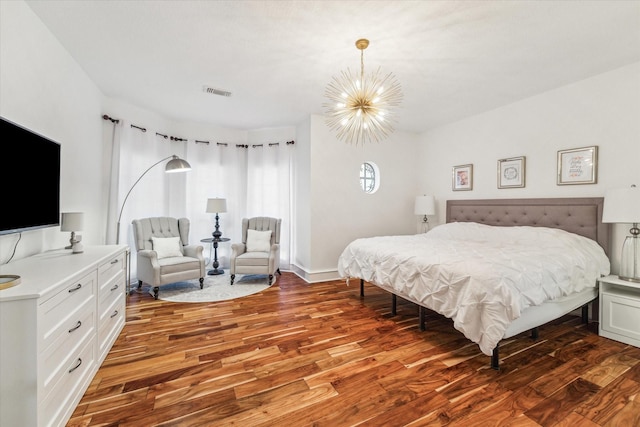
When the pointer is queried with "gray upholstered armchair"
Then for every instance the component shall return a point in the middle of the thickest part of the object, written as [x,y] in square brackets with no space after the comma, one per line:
[259,252]
[164,253]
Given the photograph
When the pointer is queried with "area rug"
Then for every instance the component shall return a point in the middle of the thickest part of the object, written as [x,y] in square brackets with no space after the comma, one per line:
[216,288]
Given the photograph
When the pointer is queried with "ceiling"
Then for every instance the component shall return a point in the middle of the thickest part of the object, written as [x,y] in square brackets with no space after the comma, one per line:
[453,59]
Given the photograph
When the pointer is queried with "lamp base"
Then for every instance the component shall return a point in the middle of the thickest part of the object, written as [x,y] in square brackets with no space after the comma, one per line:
[629,257]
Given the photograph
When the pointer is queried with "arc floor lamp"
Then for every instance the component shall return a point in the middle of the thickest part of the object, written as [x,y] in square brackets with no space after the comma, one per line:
[176,164]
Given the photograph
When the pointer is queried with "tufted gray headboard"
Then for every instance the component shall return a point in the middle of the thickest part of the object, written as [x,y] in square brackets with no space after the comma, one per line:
[579,215]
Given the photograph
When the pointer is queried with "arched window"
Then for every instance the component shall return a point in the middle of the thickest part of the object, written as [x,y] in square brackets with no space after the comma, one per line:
[369,177]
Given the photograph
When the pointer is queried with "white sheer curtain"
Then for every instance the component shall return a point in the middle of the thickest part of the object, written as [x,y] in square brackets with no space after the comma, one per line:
[137,156]
[269,188]
[254,179]
[216,172]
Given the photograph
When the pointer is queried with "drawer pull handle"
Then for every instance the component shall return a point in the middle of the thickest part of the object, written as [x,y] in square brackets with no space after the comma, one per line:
[115,313]
[78,363]
[75,327]
[115,287]
[76,288]
[115,261]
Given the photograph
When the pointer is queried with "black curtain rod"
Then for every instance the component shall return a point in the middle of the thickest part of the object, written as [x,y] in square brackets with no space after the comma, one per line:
[175,138]
[105,117]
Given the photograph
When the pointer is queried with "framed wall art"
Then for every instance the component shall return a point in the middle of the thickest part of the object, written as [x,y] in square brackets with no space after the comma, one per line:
[463,177]
[578,166]
[511,172]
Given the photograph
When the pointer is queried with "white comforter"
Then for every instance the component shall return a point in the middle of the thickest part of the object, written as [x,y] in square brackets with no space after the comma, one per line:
[480,276]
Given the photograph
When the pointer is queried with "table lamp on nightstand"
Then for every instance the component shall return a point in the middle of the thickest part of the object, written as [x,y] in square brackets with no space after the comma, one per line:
[622,205]
[425,205]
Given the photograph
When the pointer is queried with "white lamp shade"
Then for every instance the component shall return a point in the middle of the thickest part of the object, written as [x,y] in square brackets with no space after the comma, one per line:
[622,205]
[216,205]
[425,205]
[72,221]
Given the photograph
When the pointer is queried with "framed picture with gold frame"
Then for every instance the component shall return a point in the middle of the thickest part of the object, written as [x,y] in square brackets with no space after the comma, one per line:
[578,166]
[462,177]
[511,172]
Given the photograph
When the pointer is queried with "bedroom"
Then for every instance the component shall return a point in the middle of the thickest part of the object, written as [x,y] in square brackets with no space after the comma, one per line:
[50,91]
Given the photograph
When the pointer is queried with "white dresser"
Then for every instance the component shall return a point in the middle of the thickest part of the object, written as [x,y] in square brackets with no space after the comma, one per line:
[56,328]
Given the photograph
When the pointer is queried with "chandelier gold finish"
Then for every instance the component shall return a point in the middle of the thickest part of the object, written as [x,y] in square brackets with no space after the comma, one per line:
[361,107]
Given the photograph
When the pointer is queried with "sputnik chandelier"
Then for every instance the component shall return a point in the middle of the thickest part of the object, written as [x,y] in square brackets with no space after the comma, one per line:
[361,107]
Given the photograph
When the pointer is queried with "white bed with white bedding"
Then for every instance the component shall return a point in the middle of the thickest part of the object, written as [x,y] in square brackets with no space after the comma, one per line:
[492,281]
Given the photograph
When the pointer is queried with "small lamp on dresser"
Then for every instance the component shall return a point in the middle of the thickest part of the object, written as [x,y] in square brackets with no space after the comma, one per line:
[425,205]
[73,221]
[622,206]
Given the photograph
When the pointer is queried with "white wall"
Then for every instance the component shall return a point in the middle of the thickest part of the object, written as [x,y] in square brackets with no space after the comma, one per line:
[603,110]
[44,89]
[338,210]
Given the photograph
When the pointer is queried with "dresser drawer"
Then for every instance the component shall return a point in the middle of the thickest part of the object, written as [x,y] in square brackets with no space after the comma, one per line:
[56,311]
[111,322]
[74,377]
[110,269]
[75,333]
[110,291]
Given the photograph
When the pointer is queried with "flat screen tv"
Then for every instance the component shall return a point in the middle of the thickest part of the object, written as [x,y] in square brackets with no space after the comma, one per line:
[30,177]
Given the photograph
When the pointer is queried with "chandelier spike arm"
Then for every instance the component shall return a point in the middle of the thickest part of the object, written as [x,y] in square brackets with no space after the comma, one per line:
[362,109]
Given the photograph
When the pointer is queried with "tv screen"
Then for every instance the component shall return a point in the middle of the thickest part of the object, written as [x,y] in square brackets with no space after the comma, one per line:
[30,177]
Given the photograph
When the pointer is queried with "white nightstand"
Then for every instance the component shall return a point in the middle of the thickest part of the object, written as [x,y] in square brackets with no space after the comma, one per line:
[620,310]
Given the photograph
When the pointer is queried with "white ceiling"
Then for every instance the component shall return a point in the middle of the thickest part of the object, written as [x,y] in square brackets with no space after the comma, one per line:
[452,58]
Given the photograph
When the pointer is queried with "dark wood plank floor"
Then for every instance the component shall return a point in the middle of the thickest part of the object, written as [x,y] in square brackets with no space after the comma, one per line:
[319,355]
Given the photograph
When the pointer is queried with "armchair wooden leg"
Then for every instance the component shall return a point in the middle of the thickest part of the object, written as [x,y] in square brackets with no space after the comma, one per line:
[270,279]
[201,282]
[278,271]
[233,277]
[156,290]
[139,284]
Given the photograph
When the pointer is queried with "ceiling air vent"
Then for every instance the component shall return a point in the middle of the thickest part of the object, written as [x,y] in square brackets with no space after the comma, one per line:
[215,91]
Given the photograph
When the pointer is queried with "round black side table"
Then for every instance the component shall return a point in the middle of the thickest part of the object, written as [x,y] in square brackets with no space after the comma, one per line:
[214,243]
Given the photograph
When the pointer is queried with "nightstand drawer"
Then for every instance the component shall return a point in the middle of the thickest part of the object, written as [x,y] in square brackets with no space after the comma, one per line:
[621,314]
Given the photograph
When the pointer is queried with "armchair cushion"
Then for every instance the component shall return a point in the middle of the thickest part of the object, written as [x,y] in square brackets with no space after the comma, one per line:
[167,247]
[258,241]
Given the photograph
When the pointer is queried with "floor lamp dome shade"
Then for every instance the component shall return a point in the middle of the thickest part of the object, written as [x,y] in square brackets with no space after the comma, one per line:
[425,205]
[176,164]
[622,206]
[361,106]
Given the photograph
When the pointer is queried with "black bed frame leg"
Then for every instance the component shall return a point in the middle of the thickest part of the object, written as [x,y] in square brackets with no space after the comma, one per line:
[585,314]
[394,304]
[361,288]
[495,359]
[421,316]
[534,333]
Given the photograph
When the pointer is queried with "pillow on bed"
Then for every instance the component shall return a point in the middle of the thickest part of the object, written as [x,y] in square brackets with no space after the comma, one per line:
[166,247]
[258,241]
